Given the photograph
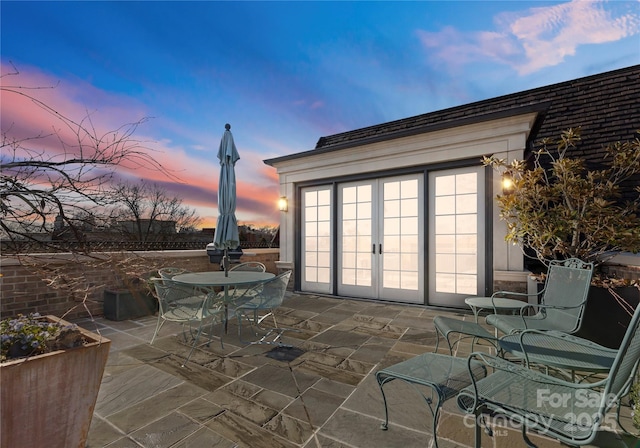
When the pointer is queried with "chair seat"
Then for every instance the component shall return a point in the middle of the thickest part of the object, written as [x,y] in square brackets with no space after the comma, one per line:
[535,396]
[511,324]
[448,325]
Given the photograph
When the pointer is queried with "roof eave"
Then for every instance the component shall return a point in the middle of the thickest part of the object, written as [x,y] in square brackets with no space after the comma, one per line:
[423,129]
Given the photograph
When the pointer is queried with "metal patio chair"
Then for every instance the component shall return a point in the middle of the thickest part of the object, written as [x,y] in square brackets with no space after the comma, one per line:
[258,303]
[561,307]
[562,301]
[564,410]
[187,305]
[249,266]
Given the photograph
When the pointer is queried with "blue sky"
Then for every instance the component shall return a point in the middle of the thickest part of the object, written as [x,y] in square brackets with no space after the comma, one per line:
[286,73]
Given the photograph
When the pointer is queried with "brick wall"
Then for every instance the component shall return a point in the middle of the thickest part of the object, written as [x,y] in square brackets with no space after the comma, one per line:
[23,288]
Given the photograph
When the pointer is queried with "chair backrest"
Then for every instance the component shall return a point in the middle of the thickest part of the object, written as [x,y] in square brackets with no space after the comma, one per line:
[567,287]
[252,266]
[625,365]
[170,272]
[270,293]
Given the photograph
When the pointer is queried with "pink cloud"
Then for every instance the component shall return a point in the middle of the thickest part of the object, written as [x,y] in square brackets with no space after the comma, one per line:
[191,176]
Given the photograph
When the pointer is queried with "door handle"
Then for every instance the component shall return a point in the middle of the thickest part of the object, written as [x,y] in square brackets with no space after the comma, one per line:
[380,248]
[373,249]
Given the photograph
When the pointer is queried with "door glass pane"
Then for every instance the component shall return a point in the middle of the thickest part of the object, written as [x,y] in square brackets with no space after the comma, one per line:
[311,229]
[409,207]
[324,197]
[391,191]
[445,282]
[324,228]
[392,243]
[466,244]
[324,213]
[349,195]
[392,226]
[392,208]
[324,244]
[445,225]
[349,260]
[445,185]
[410,242]
[324,275]
[466,203]
[349,211]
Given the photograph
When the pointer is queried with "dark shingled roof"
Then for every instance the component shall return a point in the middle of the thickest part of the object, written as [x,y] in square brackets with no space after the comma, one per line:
[606,106]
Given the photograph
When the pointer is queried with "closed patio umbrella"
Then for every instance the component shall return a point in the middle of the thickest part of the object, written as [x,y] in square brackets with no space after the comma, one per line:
[226,236]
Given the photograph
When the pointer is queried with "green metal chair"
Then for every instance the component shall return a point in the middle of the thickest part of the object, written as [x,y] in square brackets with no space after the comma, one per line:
[562,302]
[258,303]
[249,266]
[187,305]
[564,410]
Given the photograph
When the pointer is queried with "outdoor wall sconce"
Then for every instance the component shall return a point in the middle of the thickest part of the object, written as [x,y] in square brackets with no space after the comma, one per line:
[283,204]
[507,183]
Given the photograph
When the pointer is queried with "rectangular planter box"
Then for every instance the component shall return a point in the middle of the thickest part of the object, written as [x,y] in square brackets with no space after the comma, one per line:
[48,400]
[124,304]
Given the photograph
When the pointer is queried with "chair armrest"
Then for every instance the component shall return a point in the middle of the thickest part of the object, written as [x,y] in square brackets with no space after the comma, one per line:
[512,293]
[500,294]
[498,363]
[570,343]
[469,404]
[559,307]
[567,338]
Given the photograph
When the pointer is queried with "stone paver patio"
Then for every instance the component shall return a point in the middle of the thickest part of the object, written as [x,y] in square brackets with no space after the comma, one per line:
[244,396]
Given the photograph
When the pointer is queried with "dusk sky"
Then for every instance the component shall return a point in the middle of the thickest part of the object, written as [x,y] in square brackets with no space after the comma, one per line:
[283,74]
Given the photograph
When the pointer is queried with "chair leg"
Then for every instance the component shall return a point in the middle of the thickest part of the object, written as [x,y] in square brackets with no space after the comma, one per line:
[158,327]
[267,337]
[529,443]
[384,425]
[213,321]
[193,345]
[437,341]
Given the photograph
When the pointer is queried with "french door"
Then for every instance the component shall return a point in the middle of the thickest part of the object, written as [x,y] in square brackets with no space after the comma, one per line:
[380,238]
[456,235]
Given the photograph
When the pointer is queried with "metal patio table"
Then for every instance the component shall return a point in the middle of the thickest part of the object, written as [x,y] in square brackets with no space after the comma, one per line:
[213,279]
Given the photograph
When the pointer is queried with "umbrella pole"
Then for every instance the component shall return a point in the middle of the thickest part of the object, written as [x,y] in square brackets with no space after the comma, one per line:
[225,259]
